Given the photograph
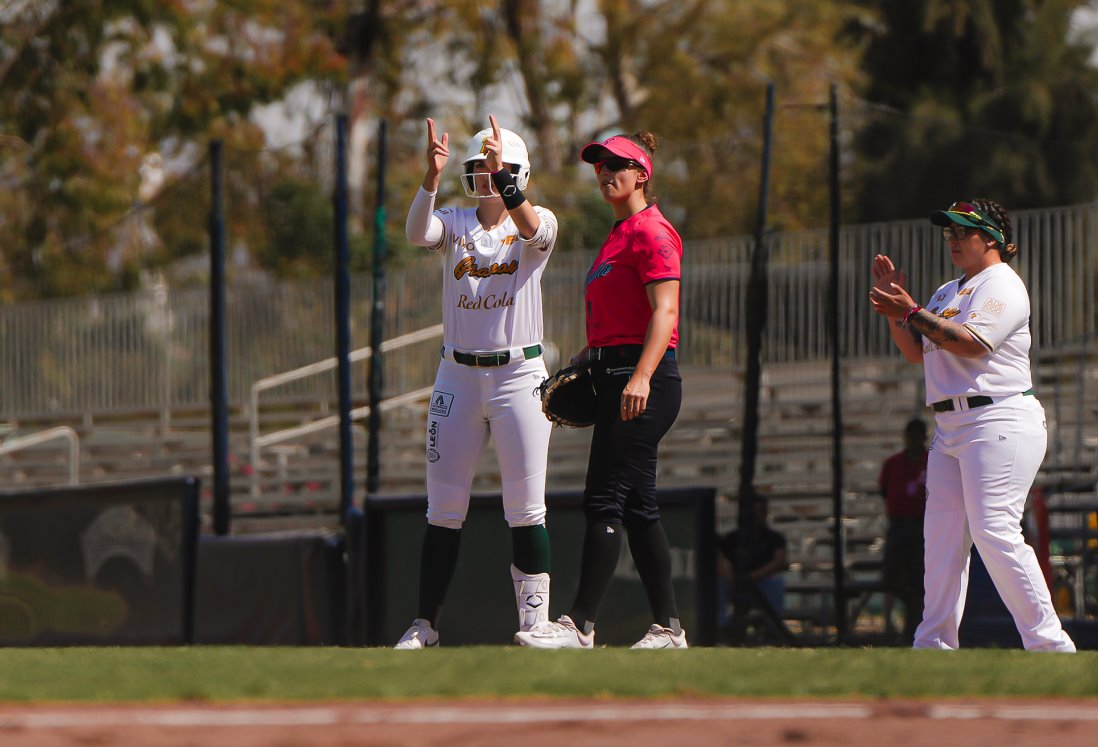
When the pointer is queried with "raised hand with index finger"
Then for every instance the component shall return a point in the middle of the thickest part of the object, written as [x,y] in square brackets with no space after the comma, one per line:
[438,151]
[493,147]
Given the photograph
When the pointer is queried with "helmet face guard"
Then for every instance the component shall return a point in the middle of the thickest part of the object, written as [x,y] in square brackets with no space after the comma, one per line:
[480,185]
[515,157]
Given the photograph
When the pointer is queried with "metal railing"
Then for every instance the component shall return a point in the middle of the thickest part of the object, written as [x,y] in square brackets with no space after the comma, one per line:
[50,434]
[258,442]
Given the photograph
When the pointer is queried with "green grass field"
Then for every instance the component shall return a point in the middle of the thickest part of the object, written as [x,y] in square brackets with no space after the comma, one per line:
[301,674]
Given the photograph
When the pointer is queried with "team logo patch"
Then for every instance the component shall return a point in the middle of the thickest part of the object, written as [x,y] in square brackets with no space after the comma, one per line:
[440,404]
[994,306]
[433,456]
[598,272]
[469,266]
[666,247]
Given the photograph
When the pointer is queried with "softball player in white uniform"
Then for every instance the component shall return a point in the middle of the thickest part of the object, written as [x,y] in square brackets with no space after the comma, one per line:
[493,257]
[973,341]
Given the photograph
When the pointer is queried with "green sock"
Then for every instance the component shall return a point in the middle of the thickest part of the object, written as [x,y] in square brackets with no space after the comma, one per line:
[530,549]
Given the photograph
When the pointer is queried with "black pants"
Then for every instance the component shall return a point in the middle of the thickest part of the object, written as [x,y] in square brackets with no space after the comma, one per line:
[621,487]
[621,471]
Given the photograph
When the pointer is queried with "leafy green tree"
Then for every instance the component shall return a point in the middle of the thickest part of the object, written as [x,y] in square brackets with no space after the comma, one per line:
[91,88]
[980,99]
[696,72]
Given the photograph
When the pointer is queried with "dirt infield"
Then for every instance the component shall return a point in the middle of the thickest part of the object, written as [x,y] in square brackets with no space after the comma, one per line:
[678,723]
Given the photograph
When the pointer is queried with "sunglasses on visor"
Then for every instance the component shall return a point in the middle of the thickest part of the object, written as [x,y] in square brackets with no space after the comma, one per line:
[615,163]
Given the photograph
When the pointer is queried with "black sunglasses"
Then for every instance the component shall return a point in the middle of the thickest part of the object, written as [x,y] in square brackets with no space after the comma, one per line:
[615,163]
[957,232]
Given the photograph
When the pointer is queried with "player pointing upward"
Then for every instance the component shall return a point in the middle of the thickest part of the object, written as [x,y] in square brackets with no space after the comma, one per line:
[973,342]
[493,257]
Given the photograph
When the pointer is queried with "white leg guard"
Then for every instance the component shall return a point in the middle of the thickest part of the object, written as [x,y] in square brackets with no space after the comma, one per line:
[531,598]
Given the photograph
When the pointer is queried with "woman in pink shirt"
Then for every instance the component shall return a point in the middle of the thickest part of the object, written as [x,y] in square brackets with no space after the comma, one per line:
[632,311]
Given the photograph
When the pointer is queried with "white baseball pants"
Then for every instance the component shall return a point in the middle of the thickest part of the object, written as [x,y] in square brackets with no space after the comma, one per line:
[981,467]
[467,404]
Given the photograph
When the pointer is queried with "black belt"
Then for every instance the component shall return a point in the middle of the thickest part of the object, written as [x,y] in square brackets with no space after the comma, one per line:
[980,400]
[487,360]
[621,353]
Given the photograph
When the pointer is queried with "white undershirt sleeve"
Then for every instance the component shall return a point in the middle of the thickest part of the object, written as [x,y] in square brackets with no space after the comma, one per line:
[423,227]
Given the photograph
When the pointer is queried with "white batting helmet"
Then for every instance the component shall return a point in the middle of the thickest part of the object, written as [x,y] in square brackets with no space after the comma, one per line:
[514,154]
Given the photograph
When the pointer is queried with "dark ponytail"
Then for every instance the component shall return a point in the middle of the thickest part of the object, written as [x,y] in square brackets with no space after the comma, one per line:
[1008,249]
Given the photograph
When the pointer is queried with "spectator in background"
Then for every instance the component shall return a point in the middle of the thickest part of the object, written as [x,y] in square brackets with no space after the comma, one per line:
[903,487]
[767,560]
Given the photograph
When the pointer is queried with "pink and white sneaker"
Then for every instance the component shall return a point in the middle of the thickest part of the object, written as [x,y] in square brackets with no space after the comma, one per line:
[562,633]
[661,637]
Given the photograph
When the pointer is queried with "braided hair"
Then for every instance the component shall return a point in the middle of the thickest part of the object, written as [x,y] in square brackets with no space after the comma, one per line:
[1007,250]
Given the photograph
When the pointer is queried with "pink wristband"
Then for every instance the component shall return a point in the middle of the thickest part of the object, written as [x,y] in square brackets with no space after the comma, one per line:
[910,312]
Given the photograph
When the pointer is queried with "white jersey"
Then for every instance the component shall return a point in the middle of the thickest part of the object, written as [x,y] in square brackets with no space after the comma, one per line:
[491,284]
[994,307]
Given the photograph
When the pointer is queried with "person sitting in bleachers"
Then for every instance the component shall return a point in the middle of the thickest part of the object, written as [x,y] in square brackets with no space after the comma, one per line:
[767,559]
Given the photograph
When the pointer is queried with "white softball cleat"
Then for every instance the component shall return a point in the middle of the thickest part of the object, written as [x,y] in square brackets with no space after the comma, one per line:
[560,634]
[420,635]
[661,637]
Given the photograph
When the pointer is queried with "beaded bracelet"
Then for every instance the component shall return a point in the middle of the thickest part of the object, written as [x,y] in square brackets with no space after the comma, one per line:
[915,308]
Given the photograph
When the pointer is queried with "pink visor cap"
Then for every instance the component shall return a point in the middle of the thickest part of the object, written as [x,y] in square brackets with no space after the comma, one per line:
[617,146]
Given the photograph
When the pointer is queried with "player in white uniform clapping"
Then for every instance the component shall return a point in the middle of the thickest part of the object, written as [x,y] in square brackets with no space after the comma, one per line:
[973,342]
[493,257]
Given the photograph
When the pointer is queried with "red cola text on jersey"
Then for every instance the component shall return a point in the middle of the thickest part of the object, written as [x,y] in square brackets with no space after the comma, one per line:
[485,303]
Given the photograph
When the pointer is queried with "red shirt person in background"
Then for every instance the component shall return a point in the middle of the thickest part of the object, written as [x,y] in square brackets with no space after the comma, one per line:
[903,487]
[632,310]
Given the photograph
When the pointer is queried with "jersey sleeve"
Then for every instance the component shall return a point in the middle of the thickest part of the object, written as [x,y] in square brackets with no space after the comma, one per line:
[545,238]
[657,254]
[998,307]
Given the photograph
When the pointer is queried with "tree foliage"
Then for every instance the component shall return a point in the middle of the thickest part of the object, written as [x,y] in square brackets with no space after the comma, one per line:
[92,88]
[983,99]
